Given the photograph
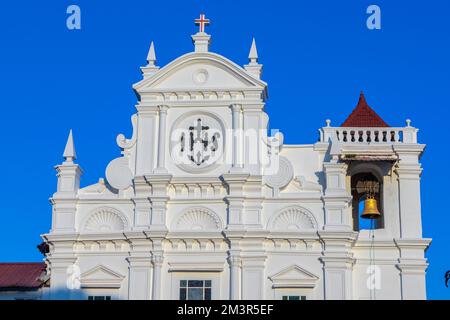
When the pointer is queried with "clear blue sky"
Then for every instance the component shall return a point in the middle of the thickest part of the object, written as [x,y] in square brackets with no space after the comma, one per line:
[317,56]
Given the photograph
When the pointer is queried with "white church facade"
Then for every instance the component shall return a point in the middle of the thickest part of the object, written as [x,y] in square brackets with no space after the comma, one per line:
[204,203]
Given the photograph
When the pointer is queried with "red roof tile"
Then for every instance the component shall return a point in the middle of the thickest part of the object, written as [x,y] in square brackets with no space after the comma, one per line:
[21,275]
[364,116]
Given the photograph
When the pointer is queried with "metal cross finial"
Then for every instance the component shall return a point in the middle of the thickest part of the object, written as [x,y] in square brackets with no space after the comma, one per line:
[202,22]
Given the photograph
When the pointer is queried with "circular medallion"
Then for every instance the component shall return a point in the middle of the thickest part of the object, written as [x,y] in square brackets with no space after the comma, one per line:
[283,176]
[118,174]
[200,76]
[197,141]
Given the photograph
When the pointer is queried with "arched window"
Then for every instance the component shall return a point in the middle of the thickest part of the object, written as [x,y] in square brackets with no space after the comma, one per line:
[359,193]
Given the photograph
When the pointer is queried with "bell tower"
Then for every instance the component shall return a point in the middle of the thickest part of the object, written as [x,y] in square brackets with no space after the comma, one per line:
[373,190]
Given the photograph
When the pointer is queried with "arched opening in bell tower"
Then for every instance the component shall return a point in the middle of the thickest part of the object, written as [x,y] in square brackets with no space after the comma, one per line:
[367,202]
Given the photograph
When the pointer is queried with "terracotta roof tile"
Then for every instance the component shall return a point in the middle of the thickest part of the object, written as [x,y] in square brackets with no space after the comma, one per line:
[21,275]
[364,116]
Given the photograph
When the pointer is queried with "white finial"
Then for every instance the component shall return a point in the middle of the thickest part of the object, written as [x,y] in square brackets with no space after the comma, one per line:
[408,122]
[328,122]
[151,57]
[253,55]
[254,67]
[151,68]
[69,151]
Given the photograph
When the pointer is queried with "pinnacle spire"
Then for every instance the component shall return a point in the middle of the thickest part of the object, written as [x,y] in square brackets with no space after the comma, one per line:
[69,151]
[151,57]
[364,116]
[253,67]
[253,54]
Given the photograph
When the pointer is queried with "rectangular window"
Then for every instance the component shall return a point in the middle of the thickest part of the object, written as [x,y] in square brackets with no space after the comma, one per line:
[97,298]
[195,289]
[294,297]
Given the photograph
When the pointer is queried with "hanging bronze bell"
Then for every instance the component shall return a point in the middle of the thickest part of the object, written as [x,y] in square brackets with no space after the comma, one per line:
[370,209]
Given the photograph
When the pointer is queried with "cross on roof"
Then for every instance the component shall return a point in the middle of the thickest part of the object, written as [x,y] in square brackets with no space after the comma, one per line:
[202,22]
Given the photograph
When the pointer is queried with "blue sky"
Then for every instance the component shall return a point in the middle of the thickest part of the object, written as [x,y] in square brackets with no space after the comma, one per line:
[317,56]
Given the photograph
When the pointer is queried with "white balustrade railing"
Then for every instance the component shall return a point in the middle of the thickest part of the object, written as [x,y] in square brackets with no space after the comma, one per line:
[386,135]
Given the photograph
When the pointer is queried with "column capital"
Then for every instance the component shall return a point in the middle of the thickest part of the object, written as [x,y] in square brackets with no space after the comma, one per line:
[234,261]
[139,261]
[236,107]
[163,108]
[157,259]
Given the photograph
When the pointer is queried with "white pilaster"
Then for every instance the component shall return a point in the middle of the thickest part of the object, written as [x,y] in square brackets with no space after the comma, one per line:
[65,274]
[336,198]
[235,199]
[412,265]
[253,126]
[161,165]
[157,260]
[235,269]
[409,200]
[146,140]
[159,199]
[337,263]
[142,204]
[237,137]
[139,266]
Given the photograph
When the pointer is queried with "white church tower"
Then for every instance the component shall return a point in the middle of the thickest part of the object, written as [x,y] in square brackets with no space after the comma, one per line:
[203,204]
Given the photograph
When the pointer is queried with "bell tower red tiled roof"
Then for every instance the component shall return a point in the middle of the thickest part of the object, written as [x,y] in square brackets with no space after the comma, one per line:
[364,116]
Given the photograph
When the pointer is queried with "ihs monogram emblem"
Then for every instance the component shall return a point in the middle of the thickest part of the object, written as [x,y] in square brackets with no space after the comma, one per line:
[201,147]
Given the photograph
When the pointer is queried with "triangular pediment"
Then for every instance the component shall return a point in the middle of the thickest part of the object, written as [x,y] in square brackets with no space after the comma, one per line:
[200,71]
[101,277]
[294,277]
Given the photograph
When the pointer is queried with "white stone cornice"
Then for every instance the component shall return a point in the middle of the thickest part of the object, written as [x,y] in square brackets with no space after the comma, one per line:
[376,261]
[199,56]
[155,234]
[422,243]
[408,148]
[334,261]
[338,235]
[304,197]
[337,243]
[62,199]
[302,235]
[131,235]
[377,243]
[60,236]
[336,198]
[409,171]
[200,179]
[101,201]
[412,267]
[195,235]
[110,236]
[147,110]
[140,261]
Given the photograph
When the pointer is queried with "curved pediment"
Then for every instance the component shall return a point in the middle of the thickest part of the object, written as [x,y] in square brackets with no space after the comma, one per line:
[200,71]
